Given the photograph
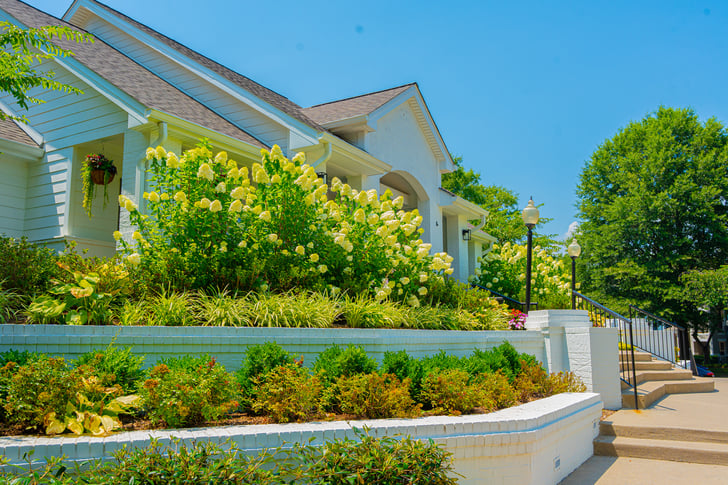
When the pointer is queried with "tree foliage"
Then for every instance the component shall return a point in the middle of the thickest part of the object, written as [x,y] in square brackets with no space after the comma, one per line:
[504,221]
[709,290]
[21,53]
[653,204]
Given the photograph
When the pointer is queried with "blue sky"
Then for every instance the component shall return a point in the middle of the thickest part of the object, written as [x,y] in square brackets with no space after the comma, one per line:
[524,91]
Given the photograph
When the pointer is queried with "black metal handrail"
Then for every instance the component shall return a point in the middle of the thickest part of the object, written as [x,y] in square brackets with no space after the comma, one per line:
[664,339]
[518,305]
[601,316]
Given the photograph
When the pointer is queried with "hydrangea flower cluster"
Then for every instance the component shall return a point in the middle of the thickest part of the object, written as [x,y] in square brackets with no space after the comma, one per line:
[504,270]
[276,226]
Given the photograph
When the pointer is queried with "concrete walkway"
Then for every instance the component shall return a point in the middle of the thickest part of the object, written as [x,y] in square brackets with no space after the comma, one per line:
[701,415]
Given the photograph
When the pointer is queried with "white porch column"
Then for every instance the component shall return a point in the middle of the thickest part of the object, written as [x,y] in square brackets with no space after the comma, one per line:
[591,353]
[457,248]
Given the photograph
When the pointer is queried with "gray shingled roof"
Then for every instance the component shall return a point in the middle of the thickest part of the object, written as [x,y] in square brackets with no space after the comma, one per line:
[10,131]
[351,107]
[138,82]
[271,97]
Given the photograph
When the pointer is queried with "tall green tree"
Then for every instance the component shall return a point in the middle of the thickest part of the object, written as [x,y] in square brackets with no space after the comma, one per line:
[22,51]
[653,201]
[709,289]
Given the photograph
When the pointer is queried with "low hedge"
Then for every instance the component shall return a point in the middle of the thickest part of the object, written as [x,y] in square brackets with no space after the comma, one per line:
[92,394]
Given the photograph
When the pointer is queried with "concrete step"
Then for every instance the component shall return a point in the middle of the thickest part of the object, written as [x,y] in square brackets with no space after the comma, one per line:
[650,391]
[672,450]
[647,365]
[669,433]
[676,374]
[638,356]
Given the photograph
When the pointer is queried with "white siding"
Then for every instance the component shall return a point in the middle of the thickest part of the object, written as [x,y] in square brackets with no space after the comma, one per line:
[46,196]
[64,120]
[13,181]
[214,98]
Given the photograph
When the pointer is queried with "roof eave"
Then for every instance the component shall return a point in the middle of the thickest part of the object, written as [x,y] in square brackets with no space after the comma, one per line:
[20,150]
[193,129]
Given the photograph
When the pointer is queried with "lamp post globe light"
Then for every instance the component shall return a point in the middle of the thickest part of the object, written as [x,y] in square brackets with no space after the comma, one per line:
[574,251]
[530,218]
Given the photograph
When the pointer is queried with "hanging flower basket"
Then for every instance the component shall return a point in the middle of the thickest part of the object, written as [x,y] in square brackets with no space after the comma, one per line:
[96,170]
[100,177]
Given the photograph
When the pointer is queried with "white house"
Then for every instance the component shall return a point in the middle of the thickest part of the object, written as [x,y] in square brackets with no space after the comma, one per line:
[141,88]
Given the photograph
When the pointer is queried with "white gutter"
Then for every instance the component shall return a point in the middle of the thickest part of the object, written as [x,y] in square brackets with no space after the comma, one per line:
[325,157]
[196,131]
[362,157]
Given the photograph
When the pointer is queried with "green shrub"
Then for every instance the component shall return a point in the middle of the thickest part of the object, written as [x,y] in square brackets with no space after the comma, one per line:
[287,393]
[441,361]
[388,460]
[26,267]
[497,390]
[563,382]
[41,386]
[184,394]
[375,396]
[211,224]
[335,362]
[260,360]
[449,392]
[404,366]
[114,366]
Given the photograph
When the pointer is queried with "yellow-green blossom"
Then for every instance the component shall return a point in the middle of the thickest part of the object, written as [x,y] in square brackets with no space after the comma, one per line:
[215,206]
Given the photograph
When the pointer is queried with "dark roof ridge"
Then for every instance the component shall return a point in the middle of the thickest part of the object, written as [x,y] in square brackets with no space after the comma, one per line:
[364,94]
[220,125]
[226,72]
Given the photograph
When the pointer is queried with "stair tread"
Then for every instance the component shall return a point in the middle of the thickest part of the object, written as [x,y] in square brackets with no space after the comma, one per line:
[655,443]
[663,432]
[650,386]
[655,449]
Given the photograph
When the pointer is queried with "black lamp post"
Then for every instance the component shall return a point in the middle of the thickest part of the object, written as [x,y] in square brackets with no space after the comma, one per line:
[530,218]
[574,251]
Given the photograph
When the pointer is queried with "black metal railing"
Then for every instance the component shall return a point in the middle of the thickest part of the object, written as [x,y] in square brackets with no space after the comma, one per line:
[601,316]
[514,304]
[663,339]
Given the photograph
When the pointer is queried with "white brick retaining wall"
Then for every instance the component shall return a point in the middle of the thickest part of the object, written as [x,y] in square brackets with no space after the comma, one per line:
[536,443]
[228,344]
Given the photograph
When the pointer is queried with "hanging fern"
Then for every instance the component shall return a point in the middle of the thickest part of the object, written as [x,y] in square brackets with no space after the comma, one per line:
[95,162]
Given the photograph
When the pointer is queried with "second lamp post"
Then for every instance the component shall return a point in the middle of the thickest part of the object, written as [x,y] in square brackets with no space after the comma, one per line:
[574,251]
[530,218]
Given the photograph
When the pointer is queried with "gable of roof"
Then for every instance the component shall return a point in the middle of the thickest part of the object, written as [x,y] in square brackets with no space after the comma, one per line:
[355,106]
[367,108]
[128,76]
[267,95]
[9,130]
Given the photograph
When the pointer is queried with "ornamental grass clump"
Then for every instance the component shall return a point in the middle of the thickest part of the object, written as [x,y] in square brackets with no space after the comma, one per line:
[275,226]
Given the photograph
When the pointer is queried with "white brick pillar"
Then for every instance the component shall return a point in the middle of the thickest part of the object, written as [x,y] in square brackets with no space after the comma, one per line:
[591,353]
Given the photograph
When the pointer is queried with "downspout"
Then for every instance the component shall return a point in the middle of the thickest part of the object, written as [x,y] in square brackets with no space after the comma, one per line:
[327,153]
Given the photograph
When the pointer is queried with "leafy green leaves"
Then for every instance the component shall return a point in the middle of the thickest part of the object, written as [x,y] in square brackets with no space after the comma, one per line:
[22,49]
[653,204]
